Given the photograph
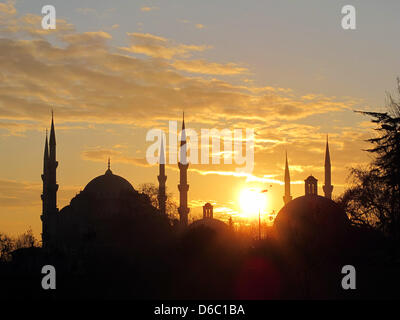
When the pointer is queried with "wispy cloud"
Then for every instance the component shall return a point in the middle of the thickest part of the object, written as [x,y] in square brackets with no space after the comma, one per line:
[148,9]
[8,8]
[196,25]
[159,47]
[87,80]
[102,154]
[206,67]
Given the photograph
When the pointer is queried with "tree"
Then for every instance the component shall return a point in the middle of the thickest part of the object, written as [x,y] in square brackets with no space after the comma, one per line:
[374,198]
[387,145]
[366,201]
[9,244]
[151,190]
[26,240]
[6,247]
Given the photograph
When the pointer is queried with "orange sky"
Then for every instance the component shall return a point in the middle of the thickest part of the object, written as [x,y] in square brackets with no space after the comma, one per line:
[111,82]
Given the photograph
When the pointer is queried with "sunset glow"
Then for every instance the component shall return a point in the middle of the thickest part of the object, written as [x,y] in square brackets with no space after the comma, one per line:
[143,65]
[252,202]
[184,153]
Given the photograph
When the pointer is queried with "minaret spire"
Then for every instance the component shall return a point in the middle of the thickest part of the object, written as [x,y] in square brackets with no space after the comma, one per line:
[162,178]
[46,155]
[328,188]
[53,164]
[287,197]
[183,135]
[183,187]
[50,187]
[52,139]
[45,176]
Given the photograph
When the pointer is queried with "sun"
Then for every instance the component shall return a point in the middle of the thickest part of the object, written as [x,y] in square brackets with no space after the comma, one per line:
[252,202]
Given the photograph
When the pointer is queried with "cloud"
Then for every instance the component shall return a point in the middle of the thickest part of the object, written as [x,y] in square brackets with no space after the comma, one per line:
[16,128]
[147,9]
[21,206]
[159,47]
[17,193]
[196,25]
[87,81]
[205,67]
[87,38]
[12,24]
[8,8]
[28,24]
[102,154]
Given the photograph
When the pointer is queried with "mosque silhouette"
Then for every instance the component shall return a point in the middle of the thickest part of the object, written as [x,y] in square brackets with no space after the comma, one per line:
[111,242]
[109,203]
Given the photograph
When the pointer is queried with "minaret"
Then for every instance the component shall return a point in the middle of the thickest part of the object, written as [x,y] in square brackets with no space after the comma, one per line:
[53,164]
[328,188]
[44,195]
[50,187]
[162,178]
[183,187]
[287,197]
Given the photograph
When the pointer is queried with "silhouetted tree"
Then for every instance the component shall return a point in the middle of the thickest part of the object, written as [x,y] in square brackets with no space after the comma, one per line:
[367,200]
[387,145]
[6,247]
[374,200]
[26,240]
[9,244]
[151,190]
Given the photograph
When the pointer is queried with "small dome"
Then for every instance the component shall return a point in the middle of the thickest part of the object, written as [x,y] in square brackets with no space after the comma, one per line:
[211,223]
[108,183]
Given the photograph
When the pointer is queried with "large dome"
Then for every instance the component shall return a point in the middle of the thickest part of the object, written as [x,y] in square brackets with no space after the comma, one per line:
[108,183]
[311,218]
